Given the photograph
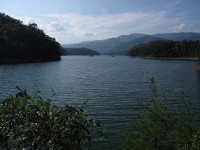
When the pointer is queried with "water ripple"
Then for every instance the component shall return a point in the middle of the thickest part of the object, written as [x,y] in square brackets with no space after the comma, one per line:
[112,84]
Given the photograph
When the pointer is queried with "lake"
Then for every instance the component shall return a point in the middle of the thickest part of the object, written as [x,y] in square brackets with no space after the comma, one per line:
[113,85]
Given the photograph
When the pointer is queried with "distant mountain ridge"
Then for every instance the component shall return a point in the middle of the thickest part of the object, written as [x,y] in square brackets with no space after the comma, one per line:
[179,36]
[121,44]
[79,51]
[122,49]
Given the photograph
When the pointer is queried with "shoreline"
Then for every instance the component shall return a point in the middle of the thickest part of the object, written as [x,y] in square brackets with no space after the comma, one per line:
[168,58]
[21,61]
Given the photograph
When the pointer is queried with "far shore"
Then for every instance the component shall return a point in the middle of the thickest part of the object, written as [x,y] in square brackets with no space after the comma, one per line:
[169,58]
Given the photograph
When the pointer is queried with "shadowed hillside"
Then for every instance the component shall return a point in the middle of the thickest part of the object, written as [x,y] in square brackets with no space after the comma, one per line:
[79,51]
[168,49]
[120,45]
[22,43]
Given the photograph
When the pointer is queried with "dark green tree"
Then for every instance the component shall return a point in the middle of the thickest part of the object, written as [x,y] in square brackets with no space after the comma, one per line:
[19,42]
[31,122]
[167,48]
[157,127]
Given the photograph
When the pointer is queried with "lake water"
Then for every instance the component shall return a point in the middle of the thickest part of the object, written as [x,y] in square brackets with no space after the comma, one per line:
[113,85]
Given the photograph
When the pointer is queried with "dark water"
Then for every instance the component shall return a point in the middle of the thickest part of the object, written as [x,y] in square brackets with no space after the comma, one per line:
[112,84]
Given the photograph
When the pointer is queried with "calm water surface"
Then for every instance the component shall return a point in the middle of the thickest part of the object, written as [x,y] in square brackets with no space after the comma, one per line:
[112,84]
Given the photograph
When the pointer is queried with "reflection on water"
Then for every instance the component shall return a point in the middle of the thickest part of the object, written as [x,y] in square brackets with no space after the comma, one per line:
[112,84]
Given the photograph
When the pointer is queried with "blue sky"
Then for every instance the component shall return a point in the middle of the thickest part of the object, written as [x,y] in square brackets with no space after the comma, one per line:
[72,21]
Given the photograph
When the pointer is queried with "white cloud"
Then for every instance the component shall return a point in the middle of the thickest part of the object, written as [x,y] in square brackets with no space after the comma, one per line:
[54,27]
[89,34]
[27,20]
[180,28]
[30,20]
[74,27]
[90,27]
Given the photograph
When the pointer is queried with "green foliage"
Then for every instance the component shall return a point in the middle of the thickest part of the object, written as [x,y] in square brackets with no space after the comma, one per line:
[167,48]
[31,122]
[185,128]
[158,128]
[22,42]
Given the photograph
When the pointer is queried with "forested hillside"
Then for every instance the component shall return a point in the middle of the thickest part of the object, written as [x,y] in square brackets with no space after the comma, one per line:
[79,51]
[123,48]
[120,45]
[19,42]
[167,48]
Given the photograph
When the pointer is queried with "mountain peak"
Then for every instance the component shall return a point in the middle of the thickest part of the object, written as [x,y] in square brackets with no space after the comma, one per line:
[123,42]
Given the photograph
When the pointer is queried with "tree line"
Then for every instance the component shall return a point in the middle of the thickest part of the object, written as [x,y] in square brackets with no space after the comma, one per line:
[25,42]
[167,48]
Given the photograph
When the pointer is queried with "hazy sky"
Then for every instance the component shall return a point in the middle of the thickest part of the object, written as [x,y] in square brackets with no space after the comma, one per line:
[71,21]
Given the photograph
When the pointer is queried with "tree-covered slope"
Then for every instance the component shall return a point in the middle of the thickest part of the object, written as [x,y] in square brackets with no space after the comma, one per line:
[105,46]
[167,48]
[19,42]
[121,44]
[79,51]
[123,48]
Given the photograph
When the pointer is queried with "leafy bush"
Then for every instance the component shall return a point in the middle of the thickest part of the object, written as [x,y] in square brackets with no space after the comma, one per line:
[31,122]
[159,128]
